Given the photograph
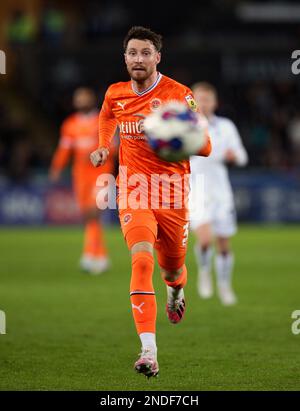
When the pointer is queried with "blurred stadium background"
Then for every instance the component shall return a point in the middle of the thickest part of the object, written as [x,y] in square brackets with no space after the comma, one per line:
[244,49]
[51,47]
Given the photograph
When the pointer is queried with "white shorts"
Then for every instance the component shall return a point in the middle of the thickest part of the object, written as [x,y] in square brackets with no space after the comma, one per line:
[220,214]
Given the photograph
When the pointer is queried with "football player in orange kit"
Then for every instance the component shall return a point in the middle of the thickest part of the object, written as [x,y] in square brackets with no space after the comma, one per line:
[146,228]
[79,135]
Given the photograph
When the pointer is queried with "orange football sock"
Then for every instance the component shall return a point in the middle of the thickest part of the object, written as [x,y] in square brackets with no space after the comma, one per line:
[181,280]
[93,239]
[142,295]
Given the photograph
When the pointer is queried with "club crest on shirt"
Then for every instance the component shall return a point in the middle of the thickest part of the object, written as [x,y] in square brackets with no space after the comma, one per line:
[155,104]
[191,102]
[127,218]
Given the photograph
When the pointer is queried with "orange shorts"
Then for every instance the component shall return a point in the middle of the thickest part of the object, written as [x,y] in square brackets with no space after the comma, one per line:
[85,193]
[169,228]
[84,185]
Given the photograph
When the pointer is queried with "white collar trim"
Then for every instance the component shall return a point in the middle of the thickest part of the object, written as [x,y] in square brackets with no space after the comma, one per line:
[159,77]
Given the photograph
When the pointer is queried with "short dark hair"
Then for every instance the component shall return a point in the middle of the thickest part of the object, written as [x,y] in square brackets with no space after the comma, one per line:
[142,33]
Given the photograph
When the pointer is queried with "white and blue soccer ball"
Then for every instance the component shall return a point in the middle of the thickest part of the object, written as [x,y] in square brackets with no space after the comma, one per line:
[174,131]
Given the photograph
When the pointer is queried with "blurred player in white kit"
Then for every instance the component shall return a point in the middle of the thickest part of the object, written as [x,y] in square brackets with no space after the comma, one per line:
[216,219]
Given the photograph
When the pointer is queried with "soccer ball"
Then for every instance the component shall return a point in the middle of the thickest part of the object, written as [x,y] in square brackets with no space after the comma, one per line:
[174,131]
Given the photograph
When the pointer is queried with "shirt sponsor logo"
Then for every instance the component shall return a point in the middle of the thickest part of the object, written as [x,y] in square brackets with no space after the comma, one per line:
[131,128]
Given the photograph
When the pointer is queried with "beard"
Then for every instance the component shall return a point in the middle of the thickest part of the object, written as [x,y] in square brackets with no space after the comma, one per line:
[139,75]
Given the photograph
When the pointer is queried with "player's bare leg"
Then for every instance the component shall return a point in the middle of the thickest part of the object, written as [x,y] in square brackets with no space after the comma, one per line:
[175,281]
[203,253]
[224,266]
[143,304]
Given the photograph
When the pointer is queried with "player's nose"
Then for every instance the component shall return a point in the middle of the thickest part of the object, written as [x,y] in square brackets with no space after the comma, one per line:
[139,58]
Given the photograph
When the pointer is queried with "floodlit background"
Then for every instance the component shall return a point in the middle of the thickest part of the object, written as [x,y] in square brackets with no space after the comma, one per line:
[57,319]
[243,48]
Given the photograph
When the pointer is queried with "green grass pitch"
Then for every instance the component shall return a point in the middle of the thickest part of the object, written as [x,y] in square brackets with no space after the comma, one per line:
[71,331]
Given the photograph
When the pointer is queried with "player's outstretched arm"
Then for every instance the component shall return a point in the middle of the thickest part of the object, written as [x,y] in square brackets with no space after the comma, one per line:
[206,149]
[54,175]
[99,156]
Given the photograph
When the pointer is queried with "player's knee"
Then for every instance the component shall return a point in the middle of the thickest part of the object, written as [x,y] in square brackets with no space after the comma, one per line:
[205,246]
[140,239]
[142,246]
[171,275]
[142,271]
[171,266]
[142,262]
[223,246]
[175,278]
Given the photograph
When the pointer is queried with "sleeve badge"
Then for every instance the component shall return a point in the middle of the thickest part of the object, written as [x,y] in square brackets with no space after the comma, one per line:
[191,102]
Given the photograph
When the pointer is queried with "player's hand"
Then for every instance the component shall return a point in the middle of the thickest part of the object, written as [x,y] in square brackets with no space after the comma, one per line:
[230,156]
[54,175]
[99,156]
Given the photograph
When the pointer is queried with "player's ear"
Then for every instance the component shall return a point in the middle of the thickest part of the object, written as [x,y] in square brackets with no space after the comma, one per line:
[158,57]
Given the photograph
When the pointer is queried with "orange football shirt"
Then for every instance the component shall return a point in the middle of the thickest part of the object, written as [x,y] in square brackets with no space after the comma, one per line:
[125,107]
[79,137]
